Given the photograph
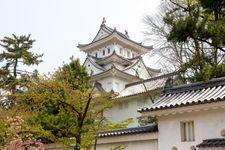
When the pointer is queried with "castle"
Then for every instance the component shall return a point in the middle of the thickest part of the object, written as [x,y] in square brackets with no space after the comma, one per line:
[189,116]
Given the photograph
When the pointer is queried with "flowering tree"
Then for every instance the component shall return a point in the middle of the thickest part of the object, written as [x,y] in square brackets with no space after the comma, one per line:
[17,137]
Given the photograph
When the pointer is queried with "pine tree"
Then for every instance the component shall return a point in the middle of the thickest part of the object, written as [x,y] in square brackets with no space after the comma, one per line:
[15,54]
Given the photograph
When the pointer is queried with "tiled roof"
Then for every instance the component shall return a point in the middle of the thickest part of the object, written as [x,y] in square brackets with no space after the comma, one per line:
[145,85]
[115,32]
[114,57]
[190,94]
[115,69]
[135,130]
[99,86]
[213,143]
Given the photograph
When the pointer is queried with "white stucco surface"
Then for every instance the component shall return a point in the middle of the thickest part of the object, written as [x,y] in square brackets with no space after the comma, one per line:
[145,141]
[113,83]
[207,124]
[126,108]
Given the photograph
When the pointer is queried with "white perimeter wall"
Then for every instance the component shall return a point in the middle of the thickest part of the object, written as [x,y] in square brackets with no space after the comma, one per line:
[208,124]
[145,141]
[127,108]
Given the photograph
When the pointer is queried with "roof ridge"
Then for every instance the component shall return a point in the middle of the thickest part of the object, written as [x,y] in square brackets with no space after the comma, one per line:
[114,54]
[196,86]
[95,64]
[131,66]
[151,79]
[120,34]
[139,127]
[153,127]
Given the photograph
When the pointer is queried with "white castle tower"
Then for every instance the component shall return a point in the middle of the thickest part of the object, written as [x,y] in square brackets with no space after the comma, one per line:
[114,60]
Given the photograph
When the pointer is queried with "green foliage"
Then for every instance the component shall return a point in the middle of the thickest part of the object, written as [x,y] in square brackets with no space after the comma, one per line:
[15,54]
[143,120]
[215,7]
[66,106]
[119,147]
[2,132]
[209,72]
[199,27]
[182,29]
[120,125]
[75,74]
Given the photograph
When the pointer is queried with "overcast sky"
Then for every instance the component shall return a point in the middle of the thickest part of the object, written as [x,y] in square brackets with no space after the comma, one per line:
[59,25]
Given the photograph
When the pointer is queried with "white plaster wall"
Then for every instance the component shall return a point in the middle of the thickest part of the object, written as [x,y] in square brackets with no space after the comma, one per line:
[144,141]
[100,51]
[114,47]
[117,84]
[137,145]
[116,114]
[124,51]
[207,124]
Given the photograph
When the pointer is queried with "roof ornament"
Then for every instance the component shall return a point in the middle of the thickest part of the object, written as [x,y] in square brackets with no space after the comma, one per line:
[103,21]
[114,28]
[168,84]
[126,33]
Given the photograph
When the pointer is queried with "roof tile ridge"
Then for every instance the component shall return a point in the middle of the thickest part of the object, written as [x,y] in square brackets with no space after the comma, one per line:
[147,68]
[133,58]
[91,56]
[96,65]
[108,28]
[152,79]
[114,54]
[138,43]
[130,128]
[196,86]
[103,27]
[81,45]
[115,32]
[99,86]
[134,63]
[114,68]
[103,58]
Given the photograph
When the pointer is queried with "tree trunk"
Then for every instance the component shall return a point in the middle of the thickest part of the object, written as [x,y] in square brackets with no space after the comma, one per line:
[78,141]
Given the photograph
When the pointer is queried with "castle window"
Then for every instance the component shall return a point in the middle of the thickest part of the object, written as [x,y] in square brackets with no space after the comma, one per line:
[96,54]
[187,131]
[108,50]
[103,52]
[128,53]
[133,55]
[121,51]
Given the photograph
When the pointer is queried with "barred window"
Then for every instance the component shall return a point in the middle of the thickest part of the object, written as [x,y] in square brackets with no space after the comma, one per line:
[108,50]
[187,131]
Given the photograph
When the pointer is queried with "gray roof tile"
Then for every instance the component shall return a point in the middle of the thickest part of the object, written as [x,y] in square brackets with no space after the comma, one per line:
[190,94]
[220,142]
[135,130]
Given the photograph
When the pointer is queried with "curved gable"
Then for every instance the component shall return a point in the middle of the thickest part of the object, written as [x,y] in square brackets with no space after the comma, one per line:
[92,67]
[138,69]
[102,33]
